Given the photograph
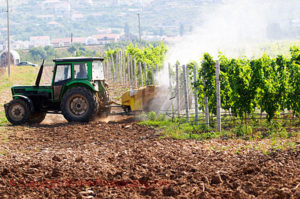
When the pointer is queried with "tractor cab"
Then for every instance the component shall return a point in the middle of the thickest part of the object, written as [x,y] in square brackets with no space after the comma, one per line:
[69,72]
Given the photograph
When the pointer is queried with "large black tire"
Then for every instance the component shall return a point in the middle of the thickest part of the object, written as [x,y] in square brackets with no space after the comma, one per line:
[104,111]
[79,104]
[36,118]
[17,111]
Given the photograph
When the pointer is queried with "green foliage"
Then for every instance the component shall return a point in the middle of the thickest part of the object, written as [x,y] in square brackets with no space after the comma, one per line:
[178,128]
[208,73]
[3,119]
[293,102]
[225,79]
[162,117]
[37,53]
[268,84]
[72,49]
[124,44]
[19,76]
[150,55]
[151,116]
[242,131]
[142,116]
[242,94]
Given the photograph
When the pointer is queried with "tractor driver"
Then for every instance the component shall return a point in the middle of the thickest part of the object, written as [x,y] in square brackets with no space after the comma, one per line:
[82,74]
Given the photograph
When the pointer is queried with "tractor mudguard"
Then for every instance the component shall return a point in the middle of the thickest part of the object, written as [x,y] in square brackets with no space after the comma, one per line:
[80,83]
[27,99]
[74,84]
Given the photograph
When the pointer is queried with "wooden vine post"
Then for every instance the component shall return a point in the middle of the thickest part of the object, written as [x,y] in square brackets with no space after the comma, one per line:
[112,66]
[196,97]
[177,91]
[218,96]
[145,71]
[185,93]
[141,74]
[206,110]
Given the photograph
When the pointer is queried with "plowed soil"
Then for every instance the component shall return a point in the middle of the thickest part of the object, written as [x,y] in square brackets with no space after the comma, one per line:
[125,160]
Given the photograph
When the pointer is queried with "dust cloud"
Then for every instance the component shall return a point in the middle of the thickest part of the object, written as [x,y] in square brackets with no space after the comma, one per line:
[54,119]
[237,27]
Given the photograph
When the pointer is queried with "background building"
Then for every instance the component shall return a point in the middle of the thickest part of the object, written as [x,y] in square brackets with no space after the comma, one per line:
[14,58]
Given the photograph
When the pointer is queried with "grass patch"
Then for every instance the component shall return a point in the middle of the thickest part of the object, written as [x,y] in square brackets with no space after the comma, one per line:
[25,75]
[178,128]
[3,119]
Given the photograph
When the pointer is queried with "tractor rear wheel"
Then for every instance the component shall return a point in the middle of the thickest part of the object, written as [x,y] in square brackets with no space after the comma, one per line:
[17,111]
[36,118]
[79,104]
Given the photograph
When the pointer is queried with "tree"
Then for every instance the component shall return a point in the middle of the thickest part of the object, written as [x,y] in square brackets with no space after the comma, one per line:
[50,51]
[37,53]
[72,49]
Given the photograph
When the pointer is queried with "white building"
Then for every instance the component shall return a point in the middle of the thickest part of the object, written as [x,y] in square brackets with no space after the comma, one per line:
[39,41]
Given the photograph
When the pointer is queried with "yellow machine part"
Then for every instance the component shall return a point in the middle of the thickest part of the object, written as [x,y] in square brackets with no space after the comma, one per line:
[139,99]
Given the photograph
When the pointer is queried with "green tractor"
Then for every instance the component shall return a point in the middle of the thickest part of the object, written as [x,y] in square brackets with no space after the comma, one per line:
[78,91]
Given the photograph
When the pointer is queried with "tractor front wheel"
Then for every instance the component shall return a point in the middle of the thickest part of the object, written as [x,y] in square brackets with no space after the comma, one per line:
[17,111]
[79,104]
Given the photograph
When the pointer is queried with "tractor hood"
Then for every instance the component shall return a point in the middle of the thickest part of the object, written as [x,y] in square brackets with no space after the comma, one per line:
[29,90]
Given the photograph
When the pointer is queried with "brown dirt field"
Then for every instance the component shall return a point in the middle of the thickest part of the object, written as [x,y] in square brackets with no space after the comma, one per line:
[117,158]
[125,160]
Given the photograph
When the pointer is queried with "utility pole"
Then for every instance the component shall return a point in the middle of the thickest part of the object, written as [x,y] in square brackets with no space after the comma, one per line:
[70,21]
[140,36]
[8,42]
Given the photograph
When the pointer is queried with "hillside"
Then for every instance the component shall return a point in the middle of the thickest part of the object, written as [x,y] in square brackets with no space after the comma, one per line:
[60,18]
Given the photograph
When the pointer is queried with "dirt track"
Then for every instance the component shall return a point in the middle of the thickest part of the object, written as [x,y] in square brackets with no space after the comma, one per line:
[125,160]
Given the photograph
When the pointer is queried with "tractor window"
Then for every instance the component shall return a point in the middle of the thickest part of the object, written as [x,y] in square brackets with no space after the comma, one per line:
[97,70]
[63,72]
[81,71]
